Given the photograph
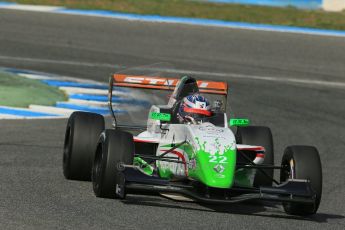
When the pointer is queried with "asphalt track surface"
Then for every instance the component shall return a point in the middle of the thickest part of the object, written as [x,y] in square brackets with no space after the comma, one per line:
[34,194]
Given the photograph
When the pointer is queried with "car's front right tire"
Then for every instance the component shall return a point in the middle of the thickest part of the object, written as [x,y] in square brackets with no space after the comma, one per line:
[302,162]
[114,149]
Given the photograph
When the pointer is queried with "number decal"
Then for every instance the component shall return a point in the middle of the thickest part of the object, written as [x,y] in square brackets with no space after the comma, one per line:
[218,159]
[213,159]
[223,159]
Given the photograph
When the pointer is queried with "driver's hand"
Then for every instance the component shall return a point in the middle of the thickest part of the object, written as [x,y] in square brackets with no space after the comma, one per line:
[189,120]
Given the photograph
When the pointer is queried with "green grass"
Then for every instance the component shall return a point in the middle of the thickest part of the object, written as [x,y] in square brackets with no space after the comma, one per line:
[21,92]
[230,12]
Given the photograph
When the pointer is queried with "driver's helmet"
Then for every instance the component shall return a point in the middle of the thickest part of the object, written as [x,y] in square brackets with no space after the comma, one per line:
[194,108]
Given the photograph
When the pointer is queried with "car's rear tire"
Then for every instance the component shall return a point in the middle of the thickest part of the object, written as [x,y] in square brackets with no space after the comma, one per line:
[114,148]
[260,136]
[306,164]
[82,133]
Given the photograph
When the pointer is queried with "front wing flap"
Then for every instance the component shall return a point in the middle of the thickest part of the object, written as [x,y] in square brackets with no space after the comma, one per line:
[133,179]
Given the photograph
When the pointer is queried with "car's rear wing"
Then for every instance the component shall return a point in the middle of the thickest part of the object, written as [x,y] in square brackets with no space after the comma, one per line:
[123,80]
[158,83]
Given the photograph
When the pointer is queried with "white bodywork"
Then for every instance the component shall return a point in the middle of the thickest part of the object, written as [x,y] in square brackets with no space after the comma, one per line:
[206,136]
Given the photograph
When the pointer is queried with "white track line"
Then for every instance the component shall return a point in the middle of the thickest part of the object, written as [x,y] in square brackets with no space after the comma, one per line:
[88,103]
[78,90]
[38,8]
[51,109]
[49,115]
[20,109]
[35,118]
[62,62]
[332,84]
[13,117]
[7,116]
[34,76]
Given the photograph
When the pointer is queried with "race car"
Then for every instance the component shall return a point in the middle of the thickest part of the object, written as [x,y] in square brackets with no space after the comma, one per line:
[207,159]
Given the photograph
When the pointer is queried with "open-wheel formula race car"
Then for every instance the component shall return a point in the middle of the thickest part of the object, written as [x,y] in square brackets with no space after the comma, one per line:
[201,158]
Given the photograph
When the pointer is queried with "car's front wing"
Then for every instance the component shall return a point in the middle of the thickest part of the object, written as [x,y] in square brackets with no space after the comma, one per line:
[133,180]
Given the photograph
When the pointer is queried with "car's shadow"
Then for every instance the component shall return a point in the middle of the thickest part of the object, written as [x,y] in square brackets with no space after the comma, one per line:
[253,208]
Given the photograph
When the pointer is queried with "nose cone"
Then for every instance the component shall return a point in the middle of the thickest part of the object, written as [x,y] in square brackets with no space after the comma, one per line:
[215,155]
[217,170]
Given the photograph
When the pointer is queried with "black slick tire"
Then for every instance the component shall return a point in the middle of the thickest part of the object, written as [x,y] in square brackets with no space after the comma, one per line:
[82,134]
[114,148]
[306,164]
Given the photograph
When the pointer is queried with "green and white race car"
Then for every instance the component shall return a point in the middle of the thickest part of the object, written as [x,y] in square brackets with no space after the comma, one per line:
[211,160]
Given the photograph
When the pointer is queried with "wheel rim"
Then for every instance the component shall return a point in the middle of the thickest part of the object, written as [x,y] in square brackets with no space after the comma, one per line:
[292,169]
[288,170]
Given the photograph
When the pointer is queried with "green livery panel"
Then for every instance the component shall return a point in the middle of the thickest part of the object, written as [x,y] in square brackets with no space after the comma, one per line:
[215,170]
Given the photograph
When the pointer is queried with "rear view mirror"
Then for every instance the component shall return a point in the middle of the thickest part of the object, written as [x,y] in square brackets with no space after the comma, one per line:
[160,116]
[239,122]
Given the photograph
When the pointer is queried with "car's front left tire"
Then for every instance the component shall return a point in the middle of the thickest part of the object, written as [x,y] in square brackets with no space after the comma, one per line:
[82,133]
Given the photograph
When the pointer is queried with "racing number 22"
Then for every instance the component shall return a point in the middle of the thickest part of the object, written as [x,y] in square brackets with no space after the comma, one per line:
[217,159]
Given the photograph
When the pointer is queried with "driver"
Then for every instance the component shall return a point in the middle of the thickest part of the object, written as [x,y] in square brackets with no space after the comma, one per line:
[194,109]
